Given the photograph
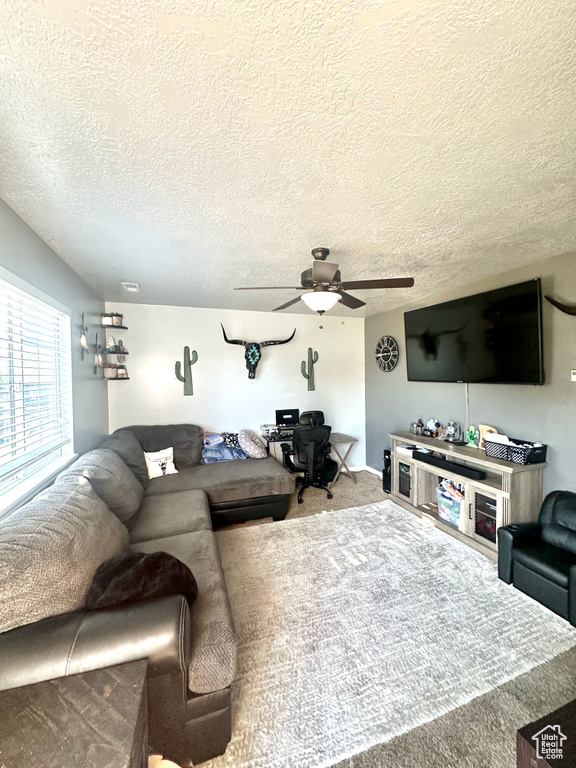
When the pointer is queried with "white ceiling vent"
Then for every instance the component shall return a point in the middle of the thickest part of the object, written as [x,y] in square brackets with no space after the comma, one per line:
[131,287]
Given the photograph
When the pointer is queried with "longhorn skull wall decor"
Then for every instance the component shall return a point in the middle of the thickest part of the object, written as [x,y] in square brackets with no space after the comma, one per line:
[568,309]
[252,349]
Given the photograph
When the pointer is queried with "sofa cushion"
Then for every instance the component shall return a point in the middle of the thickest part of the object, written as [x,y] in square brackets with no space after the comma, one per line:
[229,481]
[130,451]
[50,550]
[111,479]
[213,642]
[186,439]
[171,514]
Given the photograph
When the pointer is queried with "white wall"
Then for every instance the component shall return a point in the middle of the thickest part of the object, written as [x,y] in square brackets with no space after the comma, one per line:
[224,398]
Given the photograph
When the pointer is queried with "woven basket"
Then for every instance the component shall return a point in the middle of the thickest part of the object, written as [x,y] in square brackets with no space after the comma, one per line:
[523,452]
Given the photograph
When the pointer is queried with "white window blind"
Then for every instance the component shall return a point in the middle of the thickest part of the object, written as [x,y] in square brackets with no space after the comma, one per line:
[35,386]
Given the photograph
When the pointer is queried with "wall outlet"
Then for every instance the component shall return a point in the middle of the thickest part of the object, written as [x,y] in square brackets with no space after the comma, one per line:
[572,375]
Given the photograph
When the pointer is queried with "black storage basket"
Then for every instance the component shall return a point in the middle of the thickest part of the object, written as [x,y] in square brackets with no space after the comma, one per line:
[524,452]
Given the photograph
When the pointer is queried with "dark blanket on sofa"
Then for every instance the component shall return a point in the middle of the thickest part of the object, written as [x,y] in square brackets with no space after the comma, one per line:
[135,576]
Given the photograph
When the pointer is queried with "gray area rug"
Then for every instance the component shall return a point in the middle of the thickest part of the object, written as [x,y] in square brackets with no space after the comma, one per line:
[359,625]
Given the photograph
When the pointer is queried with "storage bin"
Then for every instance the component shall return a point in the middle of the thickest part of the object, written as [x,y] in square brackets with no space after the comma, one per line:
[524,452]
[448,508]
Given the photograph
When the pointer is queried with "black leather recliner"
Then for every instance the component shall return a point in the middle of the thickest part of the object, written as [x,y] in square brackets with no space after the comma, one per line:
[540,558]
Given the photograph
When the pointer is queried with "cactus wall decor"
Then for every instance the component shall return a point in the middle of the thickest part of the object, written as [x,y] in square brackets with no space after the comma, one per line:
[312,360]
[188,363]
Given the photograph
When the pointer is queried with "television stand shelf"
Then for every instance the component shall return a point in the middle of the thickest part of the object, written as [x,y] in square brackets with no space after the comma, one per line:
[509,493]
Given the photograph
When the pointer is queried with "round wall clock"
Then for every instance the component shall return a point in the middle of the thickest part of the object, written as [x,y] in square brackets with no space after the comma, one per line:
[386,353]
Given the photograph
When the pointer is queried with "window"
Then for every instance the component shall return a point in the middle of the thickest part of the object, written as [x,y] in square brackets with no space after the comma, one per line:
[35,389]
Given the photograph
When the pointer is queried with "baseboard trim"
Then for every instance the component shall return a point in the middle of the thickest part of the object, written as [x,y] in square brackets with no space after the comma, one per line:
[366,468]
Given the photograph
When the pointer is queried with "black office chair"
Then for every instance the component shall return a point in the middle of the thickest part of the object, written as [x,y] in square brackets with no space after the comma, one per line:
[311,447]
[540,558]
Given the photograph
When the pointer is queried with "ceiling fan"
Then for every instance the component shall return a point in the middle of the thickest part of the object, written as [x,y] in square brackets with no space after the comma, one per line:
[325,287]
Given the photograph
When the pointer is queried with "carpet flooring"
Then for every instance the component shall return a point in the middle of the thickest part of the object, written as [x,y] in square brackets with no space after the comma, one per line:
[342,645]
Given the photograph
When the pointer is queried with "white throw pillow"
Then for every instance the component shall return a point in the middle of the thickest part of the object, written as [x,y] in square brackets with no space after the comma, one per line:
[251,444]
[160,463]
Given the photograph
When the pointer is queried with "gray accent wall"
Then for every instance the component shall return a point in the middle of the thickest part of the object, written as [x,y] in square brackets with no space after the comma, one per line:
[26,255]
[545,414]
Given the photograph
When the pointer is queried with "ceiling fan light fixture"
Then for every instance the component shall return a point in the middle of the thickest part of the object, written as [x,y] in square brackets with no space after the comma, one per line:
[321,301]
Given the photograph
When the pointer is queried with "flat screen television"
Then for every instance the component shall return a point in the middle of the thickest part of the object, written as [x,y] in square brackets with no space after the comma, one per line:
[490,338]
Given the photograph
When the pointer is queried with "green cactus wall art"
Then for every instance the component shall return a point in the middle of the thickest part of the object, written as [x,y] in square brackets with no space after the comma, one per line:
[312,360]
[187,377]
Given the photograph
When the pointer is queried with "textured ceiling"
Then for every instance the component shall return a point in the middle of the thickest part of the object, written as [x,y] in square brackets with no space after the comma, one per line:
[201,145]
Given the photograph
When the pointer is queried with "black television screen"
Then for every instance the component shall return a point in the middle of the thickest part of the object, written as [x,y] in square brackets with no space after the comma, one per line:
[493,338]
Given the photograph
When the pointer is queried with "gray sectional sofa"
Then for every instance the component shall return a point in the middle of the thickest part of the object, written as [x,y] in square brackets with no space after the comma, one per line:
[102,505]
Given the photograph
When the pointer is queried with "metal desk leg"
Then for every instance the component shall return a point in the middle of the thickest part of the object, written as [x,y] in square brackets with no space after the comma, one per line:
[342,467]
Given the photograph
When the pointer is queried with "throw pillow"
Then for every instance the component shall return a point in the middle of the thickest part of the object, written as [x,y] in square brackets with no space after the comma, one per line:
[251,444]
[220,452]
[160,463]
[231,439]
[188,454]
[212,439]
[136,576]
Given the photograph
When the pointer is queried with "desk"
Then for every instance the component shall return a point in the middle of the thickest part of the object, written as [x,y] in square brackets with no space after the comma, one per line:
[336,439]
[94,720]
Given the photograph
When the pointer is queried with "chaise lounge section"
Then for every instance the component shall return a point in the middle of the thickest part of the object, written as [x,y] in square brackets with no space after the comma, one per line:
[102,505]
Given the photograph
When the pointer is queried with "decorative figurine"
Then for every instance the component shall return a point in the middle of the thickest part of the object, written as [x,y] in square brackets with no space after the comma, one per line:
[419,427]
[433,425]
[187,377]
[471,436]
[312,360]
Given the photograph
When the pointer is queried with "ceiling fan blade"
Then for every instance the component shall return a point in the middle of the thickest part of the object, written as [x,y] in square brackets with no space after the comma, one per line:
[393,282]
[288,304]
[351,301]
[272,288]
[323,271]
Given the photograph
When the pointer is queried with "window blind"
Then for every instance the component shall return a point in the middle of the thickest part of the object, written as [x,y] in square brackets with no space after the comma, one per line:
[35,386]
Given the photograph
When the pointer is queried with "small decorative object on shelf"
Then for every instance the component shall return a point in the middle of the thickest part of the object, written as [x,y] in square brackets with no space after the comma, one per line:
[122,372]
[112,318]
[110,371]
[419,427]
[432,427]
[312,360]
[471,436]
[453,432]
[413,427]
[187,377]
[486,430]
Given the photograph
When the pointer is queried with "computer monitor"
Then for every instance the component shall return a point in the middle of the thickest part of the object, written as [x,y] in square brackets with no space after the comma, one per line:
[288,417]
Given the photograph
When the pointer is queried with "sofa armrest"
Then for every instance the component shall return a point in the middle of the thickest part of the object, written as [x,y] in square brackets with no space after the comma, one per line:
[510,536]
[72,643]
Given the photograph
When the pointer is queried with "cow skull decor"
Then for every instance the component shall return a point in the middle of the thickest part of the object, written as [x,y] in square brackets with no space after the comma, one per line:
[252,353]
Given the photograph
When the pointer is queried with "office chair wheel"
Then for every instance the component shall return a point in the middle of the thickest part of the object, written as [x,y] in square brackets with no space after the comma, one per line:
[300,501]
[330,496]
